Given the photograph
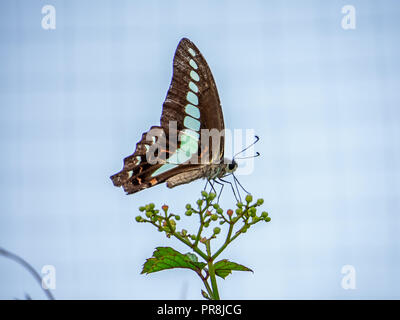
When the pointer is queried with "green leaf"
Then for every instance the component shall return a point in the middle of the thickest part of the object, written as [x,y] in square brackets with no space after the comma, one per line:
[223,268]
[167,258]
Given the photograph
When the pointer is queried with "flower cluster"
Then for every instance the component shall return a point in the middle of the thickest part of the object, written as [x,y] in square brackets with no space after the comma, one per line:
[209,213]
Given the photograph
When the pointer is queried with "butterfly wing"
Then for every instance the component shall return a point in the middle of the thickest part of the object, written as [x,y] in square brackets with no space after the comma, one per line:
[141,170]
[191,104]
[192,100]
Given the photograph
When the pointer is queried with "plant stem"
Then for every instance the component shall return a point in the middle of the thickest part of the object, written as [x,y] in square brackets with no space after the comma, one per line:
[201,225]
[227,241]
[211,272]
[188,243]
[208,288]
[195,249]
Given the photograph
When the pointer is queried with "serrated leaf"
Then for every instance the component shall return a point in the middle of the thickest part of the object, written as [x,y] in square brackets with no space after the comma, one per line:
[223,268]
[167,258]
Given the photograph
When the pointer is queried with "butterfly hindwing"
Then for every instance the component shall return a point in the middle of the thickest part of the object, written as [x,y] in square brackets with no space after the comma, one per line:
[138,167]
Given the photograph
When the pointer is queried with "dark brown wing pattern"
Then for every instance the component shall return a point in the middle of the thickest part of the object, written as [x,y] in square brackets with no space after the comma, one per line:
[192,84]
[209,104]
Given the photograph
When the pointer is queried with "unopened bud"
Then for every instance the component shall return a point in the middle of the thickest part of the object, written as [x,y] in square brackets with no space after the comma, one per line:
[249,198]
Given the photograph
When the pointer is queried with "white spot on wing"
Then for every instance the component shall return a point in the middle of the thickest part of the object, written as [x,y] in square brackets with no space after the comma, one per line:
[192,52]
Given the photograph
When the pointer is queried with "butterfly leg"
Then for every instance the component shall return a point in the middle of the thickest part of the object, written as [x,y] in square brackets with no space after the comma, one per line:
[212,187]
[237,182]
[237,189]
[205,187]
[233,189]
[220,191]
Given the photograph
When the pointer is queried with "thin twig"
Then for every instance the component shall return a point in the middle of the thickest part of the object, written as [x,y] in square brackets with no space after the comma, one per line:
[27,266]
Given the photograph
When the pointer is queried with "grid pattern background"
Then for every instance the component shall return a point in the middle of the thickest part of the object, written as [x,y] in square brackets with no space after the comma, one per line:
[324,100]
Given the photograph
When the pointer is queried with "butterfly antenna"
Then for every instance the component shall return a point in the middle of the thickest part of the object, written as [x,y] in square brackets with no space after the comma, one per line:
[255,156]
[255,141]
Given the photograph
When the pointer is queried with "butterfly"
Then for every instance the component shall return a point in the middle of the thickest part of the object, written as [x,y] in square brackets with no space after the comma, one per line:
[177,151]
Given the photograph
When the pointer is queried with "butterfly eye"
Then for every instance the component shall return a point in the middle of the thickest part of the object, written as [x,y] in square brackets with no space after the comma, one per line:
[231,166]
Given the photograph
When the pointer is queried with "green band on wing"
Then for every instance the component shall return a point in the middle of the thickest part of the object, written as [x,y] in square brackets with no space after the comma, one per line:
[164,168]
[191,51]
[179,157]
[194,75]
[191,133]
[193,64]
[192,98]
[193,111]
[189,144]
[193,87]
[191,123]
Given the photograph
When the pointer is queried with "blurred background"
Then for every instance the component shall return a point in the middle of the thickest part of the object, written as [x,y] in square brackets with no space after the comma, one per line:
[324,99]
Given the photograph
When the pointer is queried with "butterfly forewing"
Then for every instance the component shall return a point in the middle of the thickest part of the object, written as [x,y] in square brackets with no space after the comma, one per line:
[192,99]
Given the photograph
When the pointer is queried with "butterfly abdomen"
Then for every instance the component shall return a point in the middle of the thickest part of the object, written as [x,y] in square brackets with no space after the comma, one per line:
[186,177]
[210,171]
